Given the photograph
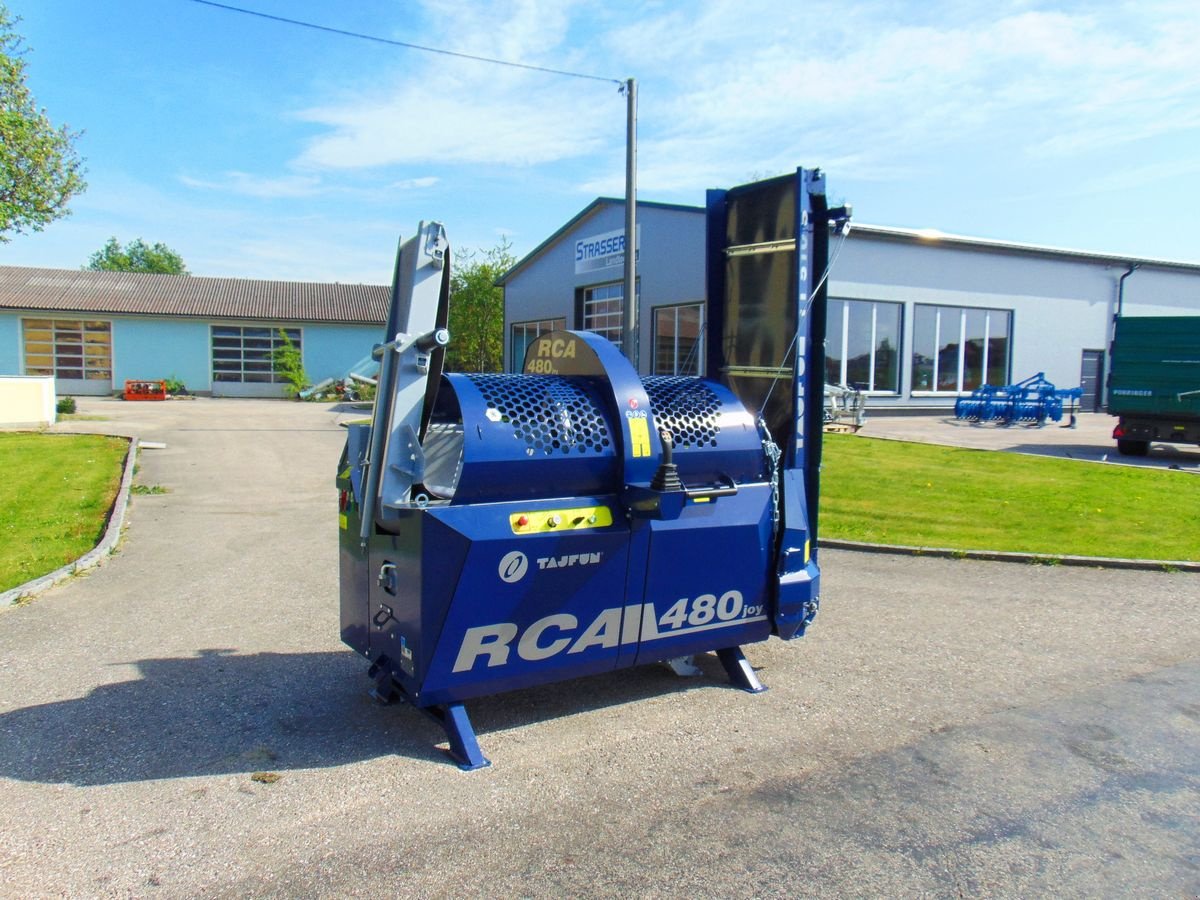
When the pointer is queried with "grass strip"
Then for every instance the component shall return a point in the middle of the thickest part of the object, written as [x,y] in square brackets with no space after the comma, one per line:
[55,496]
[892,492]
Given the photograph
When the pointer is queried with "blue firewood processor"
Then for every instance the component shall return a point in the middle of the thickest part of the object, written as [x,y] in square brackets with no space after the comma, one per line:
[502,531]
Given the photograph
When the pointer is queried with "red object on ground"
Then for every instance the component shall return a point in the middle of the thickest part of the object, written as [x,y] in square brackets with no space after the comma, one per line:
[145,390]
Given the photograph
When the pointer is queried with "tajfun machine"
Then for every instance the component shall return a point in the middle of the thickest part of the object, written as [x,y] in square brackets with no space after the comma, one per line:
[502,531]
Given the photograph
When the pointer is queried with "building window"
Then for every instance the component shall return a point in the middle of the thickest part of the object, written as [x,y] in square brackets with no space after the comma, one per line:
[958,349]
[679,339]
[603,309]
[862,345]
[245,354]
[523,334]
[69,349]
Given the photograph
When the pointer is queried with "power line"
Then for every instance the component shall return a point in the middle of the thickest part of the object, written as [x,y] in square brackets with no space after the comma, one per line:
[405,44]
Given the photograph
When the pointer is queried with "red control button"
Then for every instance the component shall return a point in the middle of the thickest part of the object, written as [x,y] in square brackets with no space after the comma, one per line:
[522,521]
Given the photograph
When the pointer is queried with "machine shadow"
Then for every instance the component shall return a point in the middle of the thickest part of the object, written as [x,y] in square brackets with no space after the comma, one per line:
[223,713]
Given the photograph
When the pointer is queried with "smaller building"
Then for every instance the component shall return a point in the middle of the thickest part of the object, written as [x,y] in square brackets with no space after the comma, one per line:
[92,331]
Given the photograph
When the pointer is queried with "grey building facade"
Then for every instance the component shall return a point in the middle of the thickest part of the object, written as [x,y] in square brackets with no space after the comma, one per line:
[915,318]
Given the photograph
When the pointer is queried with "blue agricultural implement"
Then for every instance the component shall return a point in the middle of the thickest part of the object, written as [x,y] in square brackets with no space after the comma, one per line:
[1033,400]
[507,530]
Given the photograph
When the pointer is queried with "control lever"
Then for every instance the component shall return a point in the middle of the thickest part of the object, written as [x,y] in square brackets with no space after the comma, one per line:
[667,476]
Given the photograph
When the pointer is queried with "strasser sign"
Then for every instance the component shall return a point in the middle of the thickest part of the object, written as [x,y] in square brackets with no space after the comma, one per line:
[602,251]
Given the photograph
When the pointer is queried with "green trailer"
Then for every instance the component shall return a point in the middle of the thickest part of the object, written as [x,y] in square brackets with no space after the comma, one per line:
[1154,385]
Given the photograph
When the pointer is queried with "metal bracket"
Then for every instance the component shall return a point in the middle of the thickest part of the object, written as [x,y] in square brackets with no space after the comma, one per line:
[436,245]
[387,581]
[683,667]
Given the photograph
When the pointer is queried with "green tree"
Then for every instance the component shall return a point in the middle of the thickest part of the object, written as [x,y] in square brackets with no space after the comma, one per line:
[289,363]
[137,256]
[39,169]
[477,310]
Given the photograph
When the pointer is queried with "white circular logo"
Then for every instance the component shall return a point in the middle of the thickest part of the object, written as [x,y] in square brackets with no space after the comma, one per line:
[513,566]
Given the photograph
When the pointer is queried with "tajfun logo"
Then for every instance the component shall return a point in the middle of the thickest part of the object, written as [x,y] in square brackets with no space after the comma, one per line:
[513,566]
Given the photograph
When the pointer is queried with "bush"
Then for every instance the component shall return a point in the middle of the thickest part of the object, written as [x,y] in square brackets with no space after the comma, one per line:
[175,384]
[66,405]
[288,363]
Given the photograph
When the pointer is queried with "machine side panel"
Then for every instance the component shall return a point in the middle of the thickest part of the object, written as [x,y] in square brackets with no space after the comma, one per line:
[707,578]
[409,601]
[530,608]
[799,576]
[352,579]
[394,596]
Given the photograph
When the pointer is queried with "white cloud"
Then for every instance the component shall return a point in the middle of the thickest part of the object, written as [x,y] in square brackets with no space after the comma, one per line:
[1146,178]
[300,256]
[445,110]
[872,90]
[409,184]
[247,185]
[514,119]
[816,84]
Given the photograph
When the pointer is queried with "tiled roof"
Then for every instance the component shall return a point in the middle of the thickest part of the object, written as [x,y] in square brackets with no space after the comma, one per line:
[68,290]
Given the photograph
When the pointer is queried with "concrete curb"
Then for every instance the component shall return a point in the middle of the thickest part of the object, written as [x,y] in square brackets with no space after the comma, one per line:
[112,534]
[1095,562]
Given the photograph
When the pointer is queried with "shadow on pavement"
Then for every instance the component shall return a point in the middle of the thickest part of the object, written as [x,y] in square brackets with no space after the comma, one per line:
[221,713]
[1161,456]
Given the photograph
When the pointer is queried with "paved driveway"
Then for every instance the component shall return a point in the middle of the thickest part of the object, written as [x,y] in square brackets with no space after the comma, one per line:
[1090,440]
[948,727]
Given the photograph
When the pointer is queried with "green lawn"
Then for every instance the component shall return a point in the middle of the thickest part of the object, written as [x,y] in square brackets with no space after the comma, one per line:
[890,492]
[55,494]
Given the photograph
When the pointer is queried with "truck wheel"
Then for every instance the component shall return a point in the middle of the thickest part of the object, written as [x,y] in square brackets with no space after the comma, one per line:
[1132,448]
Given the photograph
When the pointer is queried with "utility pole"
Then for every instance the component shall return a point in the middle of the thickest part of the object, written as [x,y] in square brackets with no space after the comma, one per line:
[629,337]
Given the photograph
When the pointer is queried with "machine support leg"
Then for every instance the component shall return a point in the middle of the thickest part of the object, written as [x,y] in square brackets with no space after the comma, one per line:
[739,670]
[464,746]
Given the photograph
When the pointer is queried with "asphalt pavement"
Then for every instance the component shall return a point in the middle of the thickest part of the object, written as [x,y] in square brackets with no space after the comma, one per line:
[948,727]
[1089,439]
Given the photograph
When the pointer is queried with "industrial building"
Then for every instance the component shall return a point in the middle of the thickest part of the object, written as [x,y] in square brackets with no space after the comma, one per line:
[92,331]
[915,318]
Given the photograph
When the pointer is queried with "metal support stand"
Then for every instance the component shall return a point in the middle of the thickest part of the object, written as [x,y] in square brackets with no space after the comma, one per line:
[464,746]
[740,672]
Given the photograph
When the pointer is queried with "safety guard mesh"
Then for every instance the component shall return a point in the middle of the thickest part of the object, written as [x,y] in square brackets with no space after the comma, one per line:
[687,407]
[551,414]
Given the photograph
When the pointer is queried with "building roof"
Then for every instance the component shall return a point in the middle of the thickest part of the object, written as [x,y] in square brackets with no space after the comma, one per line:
[905,235]
[586,213]
[69,290]
[935,238]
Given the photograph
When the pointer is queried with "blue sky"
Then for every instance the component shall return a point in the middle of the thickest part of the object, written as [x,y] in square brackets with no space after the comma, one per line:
[262,150]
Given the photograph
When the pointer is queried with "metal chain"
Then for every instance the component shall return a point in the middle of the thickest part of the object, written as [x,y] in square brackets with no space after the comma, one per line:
[773,455]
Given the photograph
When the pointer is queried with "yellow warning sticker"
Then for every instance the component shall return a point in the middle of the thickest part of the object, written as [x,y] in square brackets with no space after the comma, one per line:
[639,437]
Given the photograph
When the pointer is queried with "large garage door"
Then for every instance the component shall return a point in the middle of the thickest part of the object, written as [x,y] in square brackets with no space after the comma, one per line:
[78,353]
[242,359]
